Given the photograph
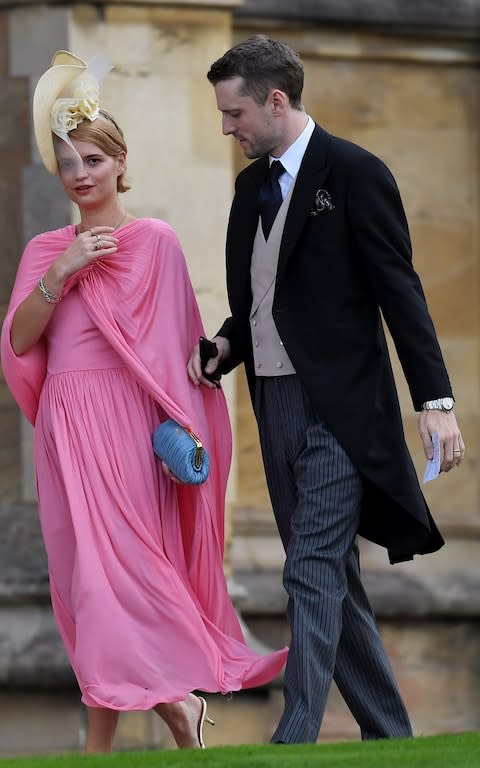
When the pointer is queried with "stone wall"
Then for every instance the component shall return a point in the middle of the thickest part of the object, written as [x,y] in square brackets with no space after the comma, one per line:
[400,78]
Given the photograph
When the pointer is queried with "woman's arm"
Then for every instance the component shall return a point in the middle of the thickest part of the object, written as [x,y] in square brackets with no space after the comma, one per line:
[33,314]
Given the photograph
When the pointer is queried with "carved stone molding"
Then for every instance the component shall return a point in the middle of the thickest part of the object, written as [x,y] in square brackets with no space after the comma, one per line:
[394,594]
[366,45]
[430,16]
[207,4]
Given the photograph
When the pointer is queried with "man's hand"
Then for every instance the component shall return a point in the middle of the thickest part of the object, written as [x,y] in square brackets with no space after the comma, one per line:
[194,367]
[452,447]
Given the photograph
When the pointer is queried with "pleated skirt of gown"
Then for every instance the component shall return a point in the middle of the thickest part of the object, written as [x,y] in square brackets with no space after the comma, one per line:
[133,629]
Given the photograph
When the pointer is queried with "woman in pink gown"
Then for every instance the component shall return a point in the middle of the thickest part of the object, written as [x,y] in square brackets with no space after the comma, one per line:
[94,348]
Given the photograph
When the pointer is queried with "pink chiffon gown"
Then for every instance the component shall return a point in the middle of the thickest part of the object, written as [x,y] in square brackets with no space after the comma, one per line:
[138,627]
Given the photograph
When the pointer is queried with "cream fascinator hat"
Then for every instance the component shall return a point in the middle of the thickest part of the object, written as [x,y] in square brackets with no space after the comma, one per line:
[66,94]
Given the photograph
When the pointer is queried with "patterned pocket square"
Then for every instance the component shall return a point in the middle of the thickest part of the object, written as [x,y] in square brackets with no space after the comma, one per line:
[322,202]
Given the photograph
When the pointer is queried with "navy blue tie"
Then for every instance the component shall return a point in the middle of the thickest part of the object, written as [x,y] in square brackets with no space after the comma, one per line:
[270,197]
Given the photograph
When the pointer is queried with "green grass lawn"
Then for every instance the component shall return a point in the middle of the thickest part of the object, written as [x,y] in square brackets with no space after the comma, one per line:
[450,751]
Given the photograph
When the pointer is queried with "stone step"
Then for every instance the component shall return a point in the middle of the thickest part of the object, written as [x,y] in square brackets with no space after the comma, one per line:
[49,723]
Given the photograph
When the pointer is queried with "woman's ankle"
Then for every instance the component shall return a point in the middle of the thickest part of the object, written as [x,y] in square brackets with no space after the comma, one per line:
[101,728]
[181,718]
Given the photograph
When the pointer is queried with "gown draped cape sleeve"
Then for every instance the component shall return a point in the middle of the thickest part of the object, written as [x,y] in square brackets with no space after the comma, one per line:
[142,301]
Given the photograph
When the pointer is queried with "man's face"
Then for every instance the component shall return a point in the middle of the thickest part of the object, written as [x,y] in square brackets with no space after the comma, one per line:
[254,125]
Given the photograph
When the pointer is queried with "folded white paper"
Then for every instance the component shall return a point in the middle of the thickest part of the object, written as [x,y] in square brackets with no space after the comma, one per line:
[432,470]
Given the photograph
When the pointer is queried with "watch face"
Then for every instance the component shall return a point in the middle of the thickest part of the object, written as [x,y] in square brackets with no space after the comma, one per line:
[447,403]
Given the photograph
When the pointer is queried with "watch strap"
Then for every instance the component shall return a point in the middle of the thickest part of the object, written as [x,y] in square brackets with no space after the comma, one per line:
[440,404]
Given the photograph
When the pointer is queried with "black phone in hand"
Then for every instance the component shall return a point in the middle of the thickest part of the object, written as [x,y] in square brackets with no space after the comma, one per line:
[208,349]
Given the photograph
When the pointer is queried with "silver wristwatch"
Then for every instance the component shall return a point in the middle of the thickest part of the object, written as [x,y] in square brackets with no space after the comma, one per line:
[442,404]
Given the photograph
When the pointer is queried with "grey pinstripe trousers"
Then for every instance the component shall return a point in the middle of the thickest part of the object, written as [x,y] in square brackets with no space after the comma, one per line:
[316,493]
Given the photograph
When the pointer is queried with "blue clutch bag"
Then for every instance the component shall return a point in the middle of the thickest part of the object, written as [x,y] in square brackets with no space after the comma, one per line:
[182,452]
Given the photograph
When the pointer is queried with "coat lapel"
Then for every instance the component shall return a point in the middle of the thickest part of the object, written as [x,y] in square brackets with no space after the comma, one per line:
[244,216]
[311,177]
[242,228]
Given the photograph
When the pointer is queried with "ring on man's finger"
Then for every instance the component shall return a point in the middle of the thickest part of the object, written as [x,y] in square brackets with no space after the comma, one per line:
[458,451]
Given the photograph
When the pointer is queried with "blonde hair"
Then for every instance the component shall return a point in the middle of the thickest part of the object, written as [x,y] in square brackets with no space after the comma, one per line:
[108,136]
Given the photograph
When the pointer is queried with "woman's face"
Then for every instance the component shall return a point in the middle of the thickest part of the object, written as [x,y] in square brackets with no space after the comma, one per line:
[88,175]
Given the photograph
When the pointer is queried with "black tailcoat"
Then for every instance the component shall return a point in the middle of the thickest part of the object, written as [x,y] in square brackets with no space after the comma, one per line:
[345,259]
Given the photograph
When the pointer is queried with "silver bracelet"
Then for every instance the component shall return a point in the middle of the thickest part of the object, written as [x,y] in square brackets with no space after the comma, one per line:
[51,298]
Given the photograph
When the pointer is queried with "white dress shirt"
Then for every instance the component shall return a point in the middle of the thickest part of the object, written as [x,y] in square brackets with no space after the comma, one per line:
[292,158]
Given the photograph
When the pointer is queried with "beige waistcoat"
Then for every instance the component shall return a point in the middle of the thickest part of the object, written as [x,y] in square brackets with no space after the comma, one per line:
[269,354]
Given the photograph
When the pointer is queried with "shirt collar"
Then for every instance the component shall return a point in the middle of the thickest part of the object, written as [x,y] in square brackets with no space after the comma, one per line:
[292,158]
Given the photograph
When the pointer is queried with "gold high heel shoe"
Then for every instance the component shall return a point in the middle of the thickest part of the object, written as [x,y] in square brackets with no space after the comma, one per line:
[204,718]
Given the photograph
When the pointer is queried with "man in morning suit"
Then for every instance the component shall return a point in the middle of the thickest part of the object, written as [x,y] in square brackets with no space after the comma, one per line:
[317,251]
